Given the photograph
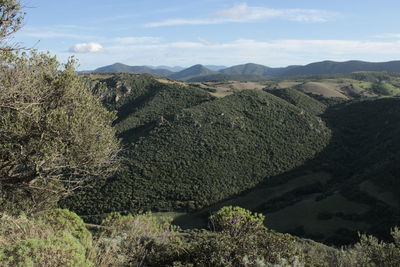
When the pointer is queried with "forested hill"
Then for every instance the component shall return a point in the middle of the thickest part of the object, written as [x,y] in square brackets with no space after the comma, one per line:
[276,151]
[207,151]
[119,67]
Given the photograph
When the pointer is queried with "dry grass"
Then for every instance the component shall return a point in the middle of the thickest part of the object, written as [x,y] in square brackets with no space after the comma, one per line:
[327,89]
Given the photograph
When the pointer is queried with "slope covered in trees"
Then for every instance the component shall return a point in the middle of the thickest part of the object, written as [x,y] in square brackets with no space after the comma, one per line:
[209,152]
[141,101]
[300,100]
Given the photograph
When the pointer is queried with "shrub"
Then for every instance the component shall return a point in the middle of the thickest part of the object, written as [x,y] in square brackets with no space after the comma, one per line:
[44,240]
[372,252]
[137,240]
[236,221]
[222,249]
[61,250]
[65,220]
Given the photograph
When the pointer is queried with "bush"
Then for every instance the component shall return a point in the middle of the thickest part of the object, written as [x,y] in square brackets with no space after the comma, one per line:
[65,220]
[136,241]
[221,249]
[53,251]
[44,240]
[236,221]
[372,252]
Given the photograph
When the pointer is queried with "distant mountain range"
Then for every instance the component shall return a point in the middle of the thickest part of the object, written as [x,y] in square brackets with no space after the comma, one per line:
[202,73]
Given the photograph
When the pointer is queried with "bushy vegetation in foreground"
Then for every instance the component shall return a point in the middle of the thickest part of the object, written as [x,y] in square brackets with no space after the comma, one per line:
[236,237]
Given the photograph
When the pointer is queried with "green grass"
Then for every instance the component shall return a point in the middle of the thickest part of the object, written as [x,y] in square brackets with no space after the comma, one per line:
[304,214]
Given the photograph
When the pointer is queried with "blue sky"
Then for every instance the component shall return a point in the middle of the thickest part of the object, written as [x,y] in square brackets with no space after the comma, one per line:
[219,32]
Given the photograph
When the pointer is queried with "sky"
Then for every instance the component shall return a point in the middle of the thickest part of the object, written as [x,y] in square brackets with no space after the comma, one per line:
[274,33]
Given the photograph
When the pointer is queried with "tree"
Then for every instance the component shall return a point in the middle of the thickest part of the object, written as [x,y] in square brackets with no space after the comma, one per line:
[11,17]
[55,134]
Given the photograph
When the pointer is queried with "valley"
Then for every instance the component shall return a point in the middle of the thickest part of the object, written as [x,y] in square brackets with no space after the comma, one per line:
[304,151]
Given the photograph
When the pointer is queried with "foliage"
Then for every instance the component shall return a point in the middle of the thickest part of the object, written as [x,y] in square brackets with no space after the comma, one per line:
[55,239]
[141,100]
[11,17]
[370,251]
[43,240]
[300,100]
[236,220]
[140,240]
[65,220]
[55,134]
[52,251]
[241,240]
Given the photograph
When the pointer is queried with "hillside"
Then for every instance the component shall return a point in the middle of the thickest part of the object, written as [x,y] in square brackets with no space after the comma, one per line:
[351,186]
[207,153]
[250,69]
[119,67]
[332,67]
[227,77]
[300,100]
[142,101]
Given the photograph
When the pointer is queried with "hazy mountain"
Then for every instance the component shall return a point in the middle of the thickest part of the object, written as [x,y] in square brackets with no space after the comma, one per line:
[191,72]
[173,69]
[324,67]
[332,67]
[119,67]
[196,71]
[251,69]
[215,67]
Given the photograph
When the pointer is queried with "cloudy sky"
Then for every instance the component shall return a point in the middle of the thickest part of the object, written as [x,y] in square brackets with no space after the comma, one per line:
[219,32]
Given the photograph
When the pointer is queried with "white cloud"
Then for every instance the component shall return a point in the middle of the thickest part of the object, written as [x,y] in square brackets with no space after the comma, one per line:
[57,31]
[174,22]
[245,13]
[86,48]
[388,36]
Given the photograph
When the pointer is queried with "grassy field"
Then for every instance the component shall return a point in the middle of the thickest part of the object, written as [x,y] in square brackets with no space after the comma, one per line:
[378,193]
[305,214]
[251,199]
